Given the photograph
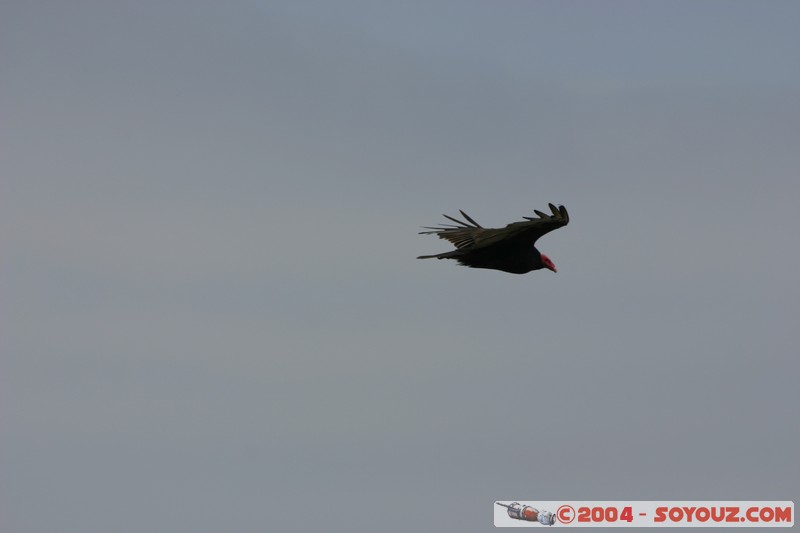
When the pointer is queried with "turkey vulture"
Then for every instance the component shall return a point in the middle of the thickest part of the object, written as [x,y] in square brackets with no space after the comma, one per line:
[510,249]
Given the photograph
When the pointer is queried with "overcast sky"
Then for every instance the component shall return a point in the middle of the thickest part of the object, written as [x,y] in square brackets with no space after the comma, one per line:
[213,318]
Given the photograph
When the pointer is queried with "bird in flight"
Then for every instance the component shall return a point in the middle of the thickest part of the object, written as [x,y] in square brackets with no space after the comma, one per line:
[510,249]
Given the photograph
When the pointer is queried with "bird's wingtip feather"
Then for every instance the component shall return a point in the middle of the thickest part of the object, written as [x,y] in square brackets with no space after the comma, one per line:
[469,218]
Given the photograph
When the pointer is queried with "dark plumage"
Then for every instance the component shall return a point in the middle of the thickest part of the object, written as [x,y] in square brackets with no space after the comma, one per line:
[510,249]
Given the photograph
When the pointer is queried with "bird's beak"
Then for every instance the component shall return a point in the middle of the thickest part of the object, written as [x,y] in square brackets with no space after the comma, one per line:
[554,269]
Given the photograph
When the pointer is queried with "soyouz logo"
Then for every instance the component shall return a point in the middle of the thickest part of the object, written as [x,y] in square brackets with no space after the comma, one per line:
[518,511]
[644,514]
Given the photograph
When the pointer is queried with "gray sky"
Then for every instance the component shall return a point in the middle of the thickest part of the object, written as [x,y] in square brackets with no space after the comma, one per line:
[213,318]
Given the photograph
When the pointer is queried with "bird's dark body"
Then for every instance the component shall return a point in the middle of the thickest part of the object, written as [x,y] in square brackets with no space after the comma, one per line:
[511,258]
[509,249]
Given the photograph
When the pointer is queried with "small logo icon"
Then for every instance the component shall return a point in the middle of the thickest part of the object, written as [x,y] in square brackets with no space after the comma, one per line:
[527,513]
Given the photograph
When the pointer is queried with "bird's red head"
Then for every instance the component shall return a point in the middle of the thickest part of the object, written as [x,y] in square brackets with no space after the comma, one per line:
[548,264]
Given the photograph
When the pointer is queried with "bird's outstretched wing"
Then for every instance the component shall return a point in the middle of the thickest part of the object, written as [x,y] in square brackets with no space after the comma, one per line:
[462,235]
[471,235]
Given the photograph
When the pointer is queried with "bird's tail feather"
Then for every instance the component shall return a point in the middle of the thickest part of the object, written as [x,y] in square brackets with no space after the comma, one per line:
[445,255]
